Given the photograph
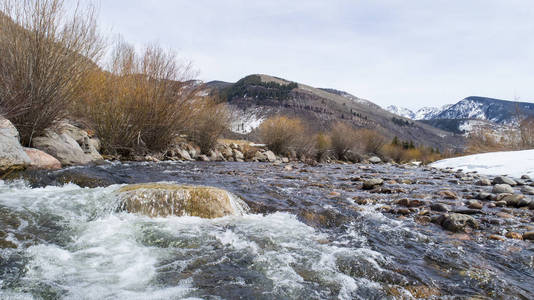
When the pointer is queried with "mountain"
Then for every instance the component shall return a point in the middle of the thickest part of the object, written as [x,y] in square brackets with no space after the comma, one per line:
[254,98]
[425,113]
[401,111]
[472,108]
[494,110]
[473,114]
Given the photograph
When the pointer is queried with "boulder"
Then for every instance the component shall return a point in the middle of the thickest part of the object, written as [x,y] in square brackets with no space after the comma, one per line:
[473,204]
[69,144]
[513,200]
[12,155]
[458,222]
[260,156]
[502,188]
[165,199]
[42,160]
[183,154]
[215,155]
[448,194]
[203,158]
[270,156]
[440,207]
[375,160]
[7,128]
[227,152]
[63,147]
[483,182]
[527,190]
[528,235]
[90,146]
[504,180]
[238,155]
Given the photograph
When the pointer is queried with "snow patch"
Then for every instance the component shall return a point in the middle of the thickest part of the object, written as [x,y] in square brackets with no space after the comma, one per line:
[245,121]
[511,163]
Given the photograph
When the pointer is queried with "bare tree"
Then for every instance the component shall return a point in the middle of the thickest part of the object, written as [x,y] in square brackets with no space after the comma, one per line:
[526,128]
[45,56]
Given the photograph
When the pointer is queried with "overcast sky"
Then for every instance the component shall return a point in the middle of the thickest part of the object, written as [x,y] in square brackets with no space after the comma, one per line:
[410,53]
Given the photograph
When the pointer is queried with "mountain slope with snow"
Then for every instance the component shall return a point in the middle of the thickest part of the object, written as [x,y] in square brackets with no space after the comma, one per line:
[401,111]
[511,163]
[425,113]
[483,108]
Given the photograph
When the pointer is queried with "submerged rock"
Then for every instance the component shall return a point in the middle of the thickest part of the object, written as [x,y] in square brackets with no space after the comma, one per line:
[372,183]
[458,222]
[164,199]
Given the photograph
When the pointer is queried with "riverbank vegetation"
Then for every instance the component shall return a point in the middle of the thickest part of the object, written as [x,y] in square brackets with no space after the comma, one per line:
[51,69]
[283,135]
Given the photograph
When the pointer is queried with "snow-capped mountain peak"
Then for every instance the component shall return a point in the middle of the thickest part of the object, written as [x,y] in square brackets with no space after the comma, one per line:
[401,111]
[425,113]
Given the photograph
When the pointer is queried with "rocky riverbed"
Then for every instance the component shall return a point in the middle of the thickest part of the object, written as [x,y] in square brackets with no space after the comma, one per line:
[311,232]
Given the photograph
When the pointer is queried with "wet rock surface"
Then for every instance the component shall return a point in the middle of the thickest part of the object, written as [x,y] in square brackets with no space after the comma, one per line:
[162,200]
[437,233]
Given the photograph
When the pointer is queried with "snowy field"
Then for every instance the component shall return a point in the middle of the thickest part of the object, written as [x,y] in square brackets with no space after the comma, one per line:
[511,163]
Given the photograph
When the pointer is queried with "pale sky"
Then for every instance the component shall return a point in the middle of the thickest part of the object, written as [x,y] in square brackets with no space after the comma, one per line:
[410,53]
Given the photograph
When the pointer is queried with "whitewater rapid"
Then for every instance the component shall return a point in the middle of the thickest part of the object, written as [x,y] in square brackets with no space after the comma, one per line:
[94,252]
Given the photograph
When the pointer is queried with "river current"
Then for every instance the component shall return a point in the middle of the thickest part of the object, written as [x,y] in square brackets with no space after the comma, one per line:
[305,237]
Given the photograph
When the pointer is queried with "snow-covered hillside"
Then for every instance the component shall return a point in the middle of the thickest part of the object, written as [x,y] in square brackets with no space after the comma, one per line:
[511,163]
[428,113]
[465,109]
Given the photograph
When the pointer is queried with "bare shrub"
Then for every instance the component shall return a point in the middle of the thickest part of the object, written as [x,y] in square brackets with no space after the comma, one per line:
[344,140]
[141,103]
[209,121]
[323,146]
[371,141]
[43,62]
[281,134]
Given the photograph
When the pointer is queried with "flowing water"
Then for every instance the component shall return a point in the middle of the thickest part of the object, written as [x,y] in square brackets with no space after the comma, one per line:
[305,237]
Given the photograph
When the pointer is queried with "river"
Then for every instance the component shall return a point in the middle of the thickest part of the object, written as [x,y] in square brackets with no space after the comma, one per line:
[304,237]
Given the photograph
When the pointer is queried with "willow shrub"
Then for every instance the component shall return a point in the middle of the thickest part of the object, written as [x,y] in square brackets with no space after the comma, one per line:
[44,59]
[142,103]
[282,134]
